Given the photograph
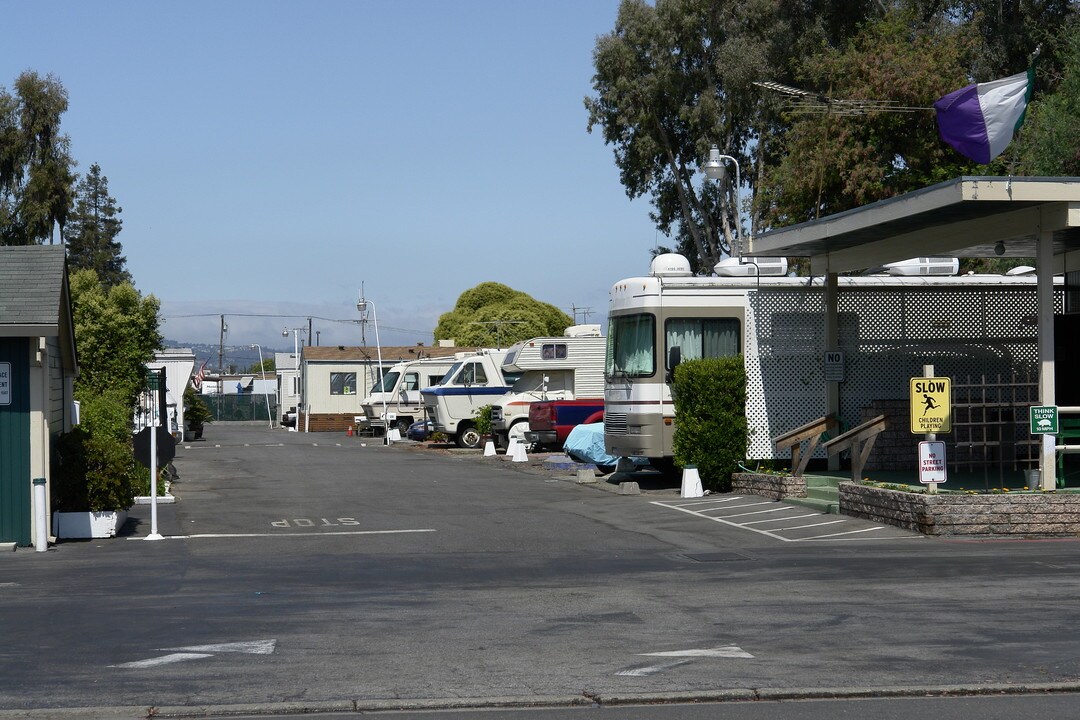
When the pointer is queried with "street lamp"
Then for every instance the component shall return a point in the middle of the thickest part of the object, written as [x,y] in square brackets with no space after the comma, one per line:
[715,170]
[362,306]
[296,358]
[262,371]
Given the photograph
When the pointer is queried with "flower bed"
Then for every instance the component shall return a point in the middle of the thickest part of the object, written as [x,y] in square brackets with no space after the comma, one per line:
[1027,514]
[776,487]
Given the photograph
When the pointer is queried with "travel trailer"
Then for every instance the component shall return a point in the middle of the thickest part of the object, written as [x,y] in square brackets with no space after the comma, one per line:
[890,326]
[397,394]
[549,368]
[473,381]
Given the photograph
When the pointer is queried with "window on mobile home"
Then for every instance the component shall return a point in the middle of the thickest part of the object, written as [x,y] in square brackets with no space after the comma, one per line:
[471,374]
[553,351]
[702,337]
[631,350]
[342,383]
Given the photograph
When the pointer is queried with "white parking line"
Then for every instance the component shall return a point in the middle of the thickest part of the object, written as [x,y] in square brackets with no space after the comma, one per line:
[707,511]
[288,534]
[782,519]
[756,512]
[802,527]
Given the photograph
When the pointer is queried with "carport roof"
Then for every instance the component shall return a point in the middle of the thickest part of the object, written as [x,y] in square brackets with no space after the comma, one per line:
[965,217]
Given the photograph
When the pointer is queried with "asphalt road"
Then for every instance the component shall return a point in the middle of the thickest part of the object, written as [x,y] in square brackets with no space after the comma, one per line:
[317,572]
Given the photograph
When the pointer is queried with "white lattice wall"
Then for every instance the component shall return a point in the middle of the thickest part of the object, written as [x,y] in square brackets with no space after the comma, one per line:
[887,336]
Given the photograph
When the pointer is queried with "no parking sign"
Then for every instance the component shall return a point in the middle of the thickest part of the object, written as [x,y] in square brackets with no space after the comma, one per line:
[932,462]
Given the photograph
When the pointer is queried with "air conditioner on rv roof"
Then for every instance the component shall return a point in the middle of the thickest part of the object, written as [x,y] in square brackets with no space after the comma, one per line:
[924,266]
[670,265]
[751,267]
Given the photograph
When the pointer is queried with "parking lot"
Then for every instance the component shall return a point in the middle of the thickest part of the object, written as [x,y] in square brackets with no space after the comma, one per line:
[783,521]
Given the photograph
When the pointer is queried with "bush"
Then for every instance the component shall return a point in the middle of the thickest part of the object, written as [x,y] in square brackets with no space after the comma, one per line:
[196,413]
[97,469]
[710,418]
[483,420]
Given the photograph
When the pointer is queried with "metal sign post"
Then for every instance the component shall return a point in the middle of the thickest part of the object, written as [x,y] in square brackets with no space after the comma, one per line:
[154,379]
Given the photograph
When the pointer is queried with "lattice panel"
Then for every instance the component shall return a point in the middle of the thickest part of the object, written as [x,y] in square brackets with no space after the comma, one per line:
[887,336]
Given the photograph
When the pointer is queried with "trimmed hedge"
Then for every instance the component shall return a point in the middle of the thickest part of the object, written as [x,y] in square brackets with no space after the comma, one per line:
[710,418]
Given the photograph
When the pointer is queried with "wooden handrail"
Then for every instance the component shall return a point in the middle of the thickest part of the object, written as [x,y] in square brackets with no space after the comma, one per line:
[810,433]
[860,439]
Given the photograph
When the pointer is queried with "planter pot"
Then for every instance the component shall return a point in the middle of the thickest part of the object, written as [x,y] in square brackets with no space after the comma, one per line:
[83,525]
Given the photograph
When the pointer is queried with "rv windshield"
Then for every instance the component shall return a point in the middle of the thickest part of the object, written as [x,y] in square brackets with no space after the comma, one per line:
[631,346]
[450,373]
[387,383]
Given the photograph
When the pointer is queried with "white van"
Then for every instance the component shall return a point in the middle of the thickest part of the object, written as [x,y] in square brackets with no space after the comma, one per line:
[474,380]
[398,393]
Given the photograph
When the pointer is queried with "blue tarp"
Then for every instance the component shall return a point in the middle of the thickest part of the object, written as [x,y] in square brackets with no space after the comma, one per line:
[585,444]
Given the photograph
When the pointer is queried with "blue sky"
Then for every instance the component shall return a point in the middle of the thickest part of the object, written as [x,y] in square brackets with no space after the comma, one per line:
[272,156]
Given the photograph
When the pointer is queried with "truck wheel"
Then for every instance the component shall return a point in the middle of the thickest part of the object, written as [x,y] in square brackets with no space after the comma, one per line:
[467,437]
[402,424]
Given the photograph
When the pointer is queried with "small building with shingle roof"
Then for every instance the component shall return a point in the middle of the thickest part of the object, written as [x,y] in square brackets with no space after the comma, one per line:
[38,366]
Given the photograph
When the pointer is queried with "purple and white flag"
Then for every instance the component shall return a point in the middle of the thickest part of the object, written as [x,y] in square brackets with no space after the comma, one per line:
[979,120]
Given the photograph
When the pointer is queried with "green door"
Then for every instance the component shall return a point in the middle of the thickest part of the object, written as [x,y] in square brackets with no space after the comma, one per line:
[14,441]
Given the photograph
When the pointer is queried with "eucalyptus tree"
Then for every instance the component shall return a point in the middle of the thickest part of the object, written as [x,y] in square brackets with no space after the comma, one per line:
[677,76]
[36,168]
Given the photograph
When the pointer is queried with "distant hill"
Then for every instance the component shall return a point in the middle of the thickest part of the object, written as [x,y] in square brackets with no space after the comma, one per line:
[235,358]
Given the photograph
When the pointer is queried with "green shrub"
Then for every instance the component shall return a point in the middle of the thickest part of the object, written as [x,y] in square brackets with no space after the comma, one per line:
[97,469]
[483,420]
[710,418]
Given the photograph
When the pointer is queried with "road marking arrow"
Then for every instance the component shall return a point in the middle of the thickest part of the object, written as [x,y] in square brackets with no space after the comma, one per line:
[252,647]
[651,669]
[164,660]
[728,651]
[199,652]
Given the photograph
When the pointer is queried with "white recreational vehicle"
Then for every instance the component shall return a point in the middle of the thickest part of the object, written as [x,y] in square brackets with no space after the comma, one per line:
[397,394]
[890,326]
[570,367]
[473,381]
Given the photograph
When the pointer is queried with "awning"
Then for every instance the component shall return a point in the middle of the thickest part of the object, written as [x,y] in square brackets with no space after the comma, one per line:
[965,217]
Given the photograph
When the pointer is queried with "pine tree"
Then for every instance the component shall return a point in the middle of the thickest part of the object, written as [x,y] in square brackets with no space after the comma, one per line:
[92,230]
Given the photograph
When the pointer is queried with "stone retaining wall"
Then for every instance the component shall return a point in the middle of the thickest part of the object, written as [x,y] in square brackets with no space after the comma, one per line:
[775,487]
[1041,514]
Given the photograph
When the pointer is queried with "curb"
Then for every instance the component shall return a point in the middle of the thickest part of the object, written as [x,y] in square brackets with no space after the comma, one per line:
[542,701]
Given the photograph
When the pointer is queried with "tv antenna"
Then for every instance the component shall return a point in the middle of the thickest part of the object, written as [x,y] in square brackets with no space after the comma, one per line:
[805,101]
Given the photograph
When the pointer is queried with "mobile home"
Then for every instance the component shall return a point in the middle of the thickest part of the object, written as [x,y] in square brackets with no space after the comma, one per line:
[570,367]
[890,326]
[473,381]
[396,397]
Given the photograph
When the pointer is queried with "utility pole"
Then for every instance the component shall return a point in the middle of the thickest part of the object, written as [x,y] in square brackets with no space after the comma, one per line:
[221,345]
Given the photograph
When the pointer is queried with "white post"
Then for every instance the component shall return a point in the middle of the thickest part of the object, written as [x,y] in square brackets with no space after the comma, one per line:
[41,517]
[928,372]
[1044,290]
[262,376]
[154,534]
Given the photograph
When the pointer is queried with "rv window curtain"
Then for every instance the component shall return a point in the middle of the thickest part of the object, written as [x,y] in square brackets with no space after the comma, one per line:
[703,338]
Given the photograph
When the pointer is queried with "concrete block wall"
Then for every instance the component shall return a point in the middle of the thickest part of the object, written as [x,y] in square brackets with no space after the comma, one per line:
[1036,514]
[775,487]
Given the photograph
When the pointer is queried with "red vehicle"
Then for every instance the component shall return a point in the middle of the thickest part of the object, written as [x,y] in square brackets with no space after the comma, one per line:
[550,421]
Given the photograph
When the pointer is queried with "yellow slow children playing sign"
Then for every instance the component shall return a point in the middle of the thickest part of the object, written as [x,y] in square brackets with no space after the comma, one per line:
[931,405]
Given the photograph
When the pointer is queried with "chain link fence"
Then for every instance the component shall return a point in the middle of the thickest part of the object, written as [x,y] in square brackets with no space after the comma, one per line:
[247,406]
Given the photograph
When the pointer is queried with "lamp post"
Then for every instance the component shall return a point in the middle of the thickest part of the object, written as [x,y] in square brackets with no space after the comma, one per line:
[296,358]
[262,371]
[362,306]
[714,170]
